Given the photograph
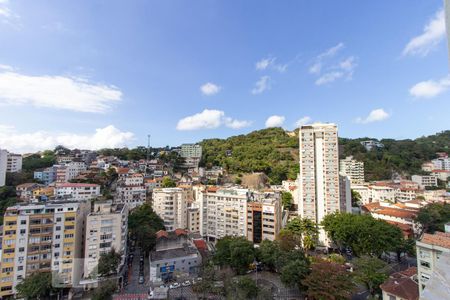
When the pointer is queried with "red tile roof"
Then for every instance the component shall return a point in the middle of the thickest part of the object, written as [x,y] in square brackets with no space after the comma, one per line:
[200,245]
[404,288]
[162,233]
[441,239]
[398,213]
[180,231]
[68,184]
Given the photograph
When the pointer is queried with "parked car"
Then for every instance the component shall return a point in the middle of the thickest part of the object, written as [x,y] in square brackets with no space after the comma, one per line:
[141,279]
[186,283]
[174,285]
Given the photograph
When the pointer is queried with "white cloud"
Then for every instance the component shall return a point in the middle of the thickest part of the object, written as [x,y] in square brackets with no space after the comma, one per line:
[237,124]
[261,85]
[275,121]
[107,137]
[433,33]
[270,63]
[61,92]
[344,69]
[264,63]
[210,119]
[210,89]
[430,88]
[7,16]
[375,115]
[303,121]
[329,77]
[316,68]
[6,68]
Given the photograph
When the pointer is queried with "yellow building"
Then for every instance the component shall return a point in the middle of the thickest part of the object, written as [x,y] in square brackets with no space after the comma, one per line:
[42,237]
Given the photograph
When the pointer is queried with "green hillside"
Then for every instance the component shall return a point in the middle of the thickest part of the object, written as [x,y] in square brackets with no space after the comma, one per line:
[275,152]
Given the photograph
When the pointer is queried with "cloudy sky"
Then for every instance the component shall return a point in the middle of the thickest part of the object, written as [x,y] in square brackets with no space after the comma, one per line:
[94,74]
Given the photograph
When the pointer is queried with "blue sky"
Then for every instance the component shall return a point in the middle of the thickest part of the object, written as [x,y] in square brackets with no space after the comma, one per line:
[96,74]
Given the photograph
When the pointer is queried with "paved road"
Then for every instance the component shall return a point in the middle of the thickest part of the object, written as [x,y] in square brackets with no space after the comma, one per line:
[134,287]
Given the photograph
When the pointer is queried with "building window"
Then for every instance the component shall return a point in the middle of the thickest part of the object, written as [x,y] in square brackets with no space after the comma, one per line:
[425,264]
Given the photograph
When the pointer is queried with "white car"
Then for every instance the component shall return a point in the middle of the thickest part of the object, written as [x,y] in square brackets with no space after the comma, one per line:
[174,285]
[186,283]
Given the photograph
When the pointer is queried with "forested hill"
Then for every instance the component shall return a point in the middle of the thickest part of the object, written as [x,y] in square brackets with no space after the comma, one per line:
[275,152]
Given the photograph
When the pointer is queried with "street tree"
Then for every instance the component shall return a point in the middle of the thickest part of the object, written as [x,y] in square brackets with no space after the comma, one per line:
[286,200]
[236,252]
[328,281]
[36,286]
[371,272]
[108,263]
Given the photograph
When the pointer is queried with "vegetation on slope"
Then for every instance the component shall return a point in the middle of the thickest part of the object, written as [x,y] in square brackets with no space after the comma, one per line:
[271,151]
[275,152]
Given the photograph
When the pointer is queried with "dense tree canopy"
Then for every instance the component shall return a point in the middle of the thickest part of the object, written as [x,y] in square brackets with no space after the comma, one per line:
[328,281]
[108,263]
[371,272]
[36,286]
[235,252]
[143,223]
[362,233]
[7,198]
[434,216]
[275,153]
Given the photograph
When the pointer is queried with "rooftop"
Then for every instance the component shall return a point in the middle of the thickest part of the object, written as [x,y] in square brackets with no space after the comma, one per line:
[68,184]
[404,288]
[441,239]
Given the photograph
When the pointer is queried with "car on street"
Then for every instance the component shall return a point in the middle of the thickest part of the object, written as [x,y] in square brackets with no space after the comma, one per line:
[141,279]
[186,283]
[174,285]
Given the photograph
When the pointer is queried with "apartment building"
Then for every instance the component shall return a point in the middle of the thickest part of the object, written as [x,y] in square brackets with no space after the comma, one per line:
[382,193]
[77,191]
[405,194]
[353,169]
[25,190]
[47,175]
[442,175]
[223,211]
[171,205]
[371,144]
[429,249]
[14,163]
[345,193]
[425,180]
[69,171]
[132,195]
[319,172]
[3,166]
[191,150]
[441,163]
[134,179]
[193,218]
[264,216]
[43,237]
[106,229]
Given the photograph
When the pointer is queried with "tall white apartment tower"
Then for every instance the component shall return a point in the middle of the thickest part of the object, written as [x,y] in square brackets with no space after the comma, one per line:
[319,172]
[3,166]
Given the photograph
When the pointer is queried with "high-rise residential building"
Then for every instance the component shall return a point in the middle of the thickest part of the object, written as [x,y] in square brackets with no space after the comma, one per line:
[429,249]
[223,212]
[263,216]
[3,166]
[106,229]
[171,205]
[191,150]
[345,193]
[192,154]
[353,169]
[43,237]
[14,163]
[319,172]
